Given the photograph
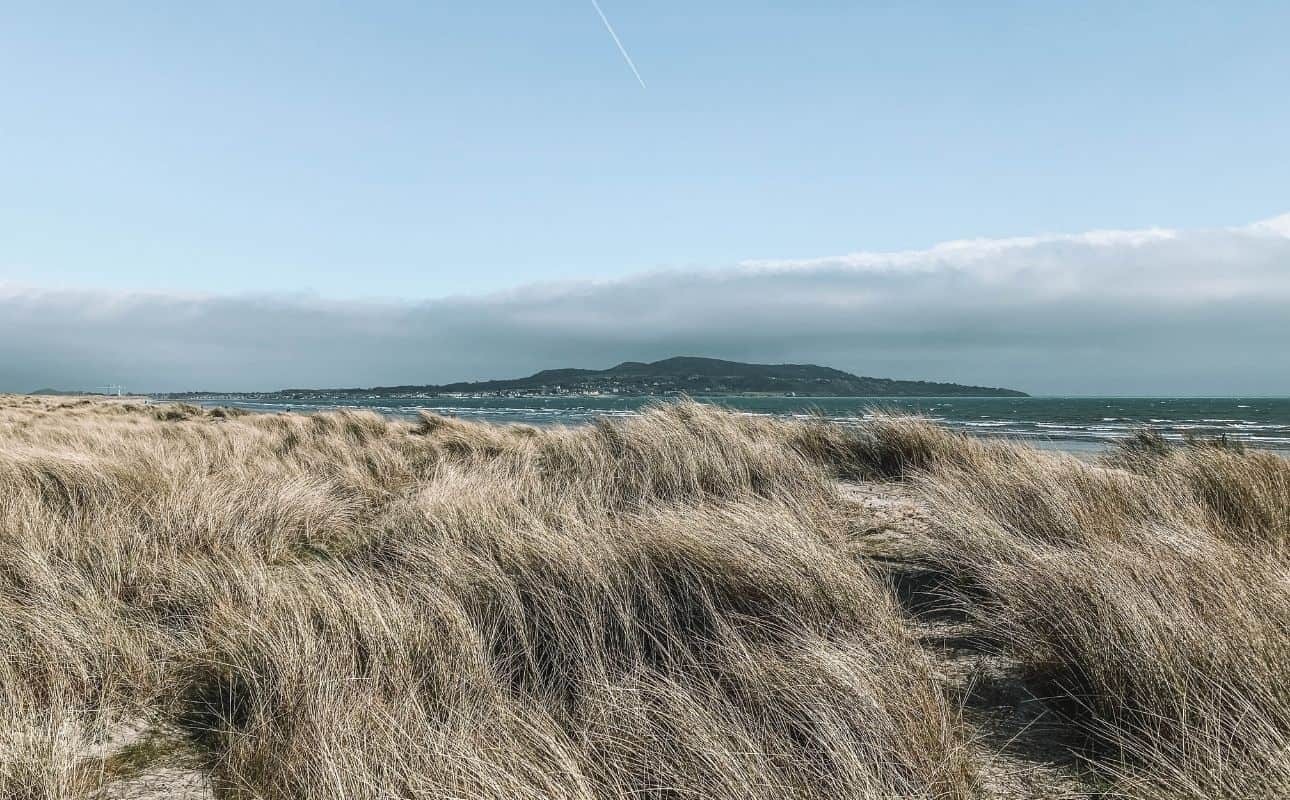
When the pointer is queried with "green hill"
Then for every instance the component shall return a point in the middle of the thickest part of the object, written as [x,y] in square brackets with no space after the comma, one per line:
[694,376]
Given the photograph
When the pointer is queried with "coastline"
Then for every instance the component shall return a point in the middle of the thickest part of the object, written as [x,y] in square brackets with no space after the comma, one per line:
[1078,425]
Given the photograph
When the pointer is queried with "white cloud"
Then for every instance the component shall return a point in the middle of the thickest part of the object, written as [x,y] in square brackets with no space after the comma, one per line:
[1150,311]
[1277,226]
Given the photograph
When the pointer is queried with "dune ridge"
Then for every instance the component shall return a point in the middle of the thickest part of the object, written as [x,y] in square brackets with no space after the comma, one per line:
[688,603]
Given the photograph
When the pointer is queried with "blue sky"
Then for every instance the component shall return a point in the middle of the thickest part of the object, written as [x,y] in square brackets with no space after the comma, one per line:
[423,149]
[1065,198]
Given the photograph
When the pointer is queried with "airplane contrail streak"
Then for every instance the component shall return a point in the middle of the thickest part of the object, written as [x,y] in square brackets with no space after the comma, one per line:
[618,42]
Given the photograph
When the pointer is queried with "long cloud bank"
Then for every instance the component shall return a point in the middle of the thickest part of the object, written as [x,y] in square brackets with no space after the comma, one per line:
[1117,312]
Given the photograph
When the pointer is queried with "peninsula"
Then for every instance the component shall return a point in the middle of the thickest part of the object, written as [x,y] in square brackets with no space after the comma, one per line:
[672,376]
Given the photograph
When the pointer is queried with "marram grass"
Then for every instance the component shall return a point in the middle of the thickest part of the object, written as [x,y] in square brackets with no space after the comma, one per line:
[665,606]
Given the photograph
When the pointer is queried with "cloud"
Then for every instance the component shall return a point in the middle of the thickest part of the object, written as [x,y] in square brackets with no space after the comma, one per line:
[1121,312]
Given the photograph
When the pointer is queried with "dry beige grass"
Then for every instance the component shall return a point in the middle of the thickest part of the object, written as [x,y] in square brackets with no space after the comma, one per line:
[344,606]
[680,604]
[1149,595]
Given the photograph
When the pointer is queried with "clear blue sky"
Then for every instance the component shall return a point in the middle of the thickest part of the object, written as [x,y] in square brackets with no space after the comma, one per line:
[422,149]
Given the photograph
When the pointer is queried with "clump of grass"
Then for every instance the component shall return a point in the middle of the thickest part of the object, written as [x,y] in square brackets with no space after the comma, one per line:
[227,412]
[174,412]
[887,446]
[1150,593]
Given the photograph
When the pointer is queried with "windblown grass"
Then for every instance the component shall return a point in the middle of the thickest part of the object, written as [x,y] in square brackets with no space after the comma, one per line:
[345,606]
[667,606]
[1149,594]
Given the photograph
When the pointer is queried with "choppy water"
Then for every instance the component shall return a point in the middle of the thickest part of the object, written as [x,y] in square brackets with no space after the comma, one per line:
[1068,423]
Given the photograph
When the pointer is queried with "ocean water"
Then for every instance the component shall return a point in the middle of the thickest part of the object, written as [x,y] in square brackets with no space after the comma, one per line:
[1066,423]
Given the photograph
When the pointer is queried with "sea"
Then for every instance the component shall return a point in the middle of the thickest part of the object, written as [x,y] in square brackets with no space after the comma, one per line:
[1074,424]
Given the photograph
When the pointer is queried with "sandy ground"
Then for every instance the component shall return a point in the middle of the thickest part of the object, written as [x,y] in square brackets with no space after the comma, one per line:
[139,761]
[1027,750]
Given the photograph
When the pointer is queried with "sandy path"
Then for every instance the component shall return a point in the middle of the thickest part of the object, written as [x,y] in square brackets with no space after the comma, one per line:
[140,762]
[1027,750]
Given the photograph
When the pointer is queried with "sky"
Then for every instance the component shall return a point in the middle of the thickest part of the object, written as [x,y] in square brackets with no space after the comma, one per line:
[248,196]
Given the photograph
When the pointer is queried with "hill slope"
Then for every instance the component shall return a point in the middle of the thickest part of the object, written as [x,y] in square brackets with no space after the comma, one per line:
[698,376]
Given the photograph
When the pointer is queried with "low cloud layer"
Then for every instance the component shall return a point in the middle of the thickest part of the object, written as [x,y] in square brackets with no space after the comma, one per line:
[1116,312]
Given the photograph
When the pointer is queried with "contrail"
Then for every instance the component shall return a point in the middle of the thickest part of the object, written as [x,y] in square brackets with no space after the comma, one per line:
[618,42]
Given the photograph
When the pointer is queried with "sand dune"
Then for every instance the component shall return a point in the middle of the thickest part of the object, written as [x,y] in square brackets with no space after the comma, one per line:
[688,603]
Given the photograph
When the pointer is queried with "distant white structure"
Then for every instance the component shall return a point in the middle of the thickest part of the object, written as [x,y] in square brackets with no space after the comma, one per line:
[115,389]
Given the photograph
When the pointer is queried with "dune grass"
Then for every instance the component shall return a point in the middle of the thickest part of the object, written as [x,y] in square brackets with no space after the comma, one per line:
[1149,595]
[345,606]
[665,606]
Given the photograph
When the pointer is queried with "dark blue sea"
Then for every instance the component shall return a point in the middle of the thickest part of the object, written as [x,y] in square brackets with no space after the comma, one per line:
[1067,423]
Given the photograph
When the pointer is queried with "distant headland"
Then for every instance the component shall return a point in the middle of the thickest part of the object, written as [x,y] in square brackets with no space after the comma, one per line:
[679,375]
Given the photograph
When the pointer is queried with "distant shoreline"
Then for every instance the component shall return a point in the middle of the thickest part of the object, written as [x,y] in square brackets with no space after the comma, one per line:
[1075,425]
